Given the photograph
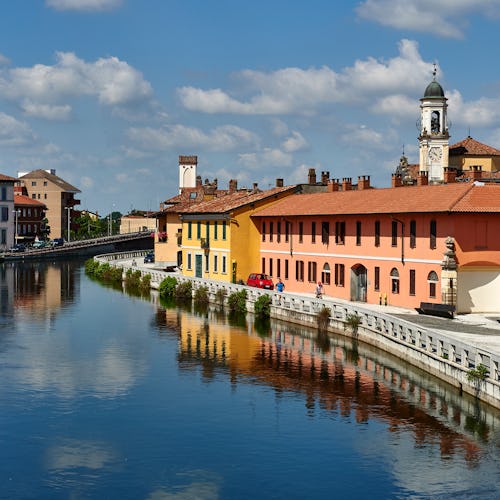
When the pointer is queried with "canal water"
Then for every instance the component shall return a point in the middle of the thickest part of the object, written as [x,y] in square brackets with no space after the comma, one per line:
[110,394]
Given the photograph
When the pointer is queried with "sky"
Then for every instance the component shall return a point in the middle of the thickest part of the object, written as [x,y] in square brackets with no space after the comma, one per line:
[109,93]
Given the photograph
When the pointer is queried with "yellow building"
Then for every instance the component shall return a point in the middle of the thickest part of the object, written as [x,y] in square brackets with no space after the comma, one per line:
[470,154]
[219,239]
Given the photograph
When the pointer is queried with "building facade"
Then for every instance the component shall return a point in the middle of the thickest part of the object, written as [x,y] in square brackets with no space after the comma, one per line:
[7,212]
[30,219]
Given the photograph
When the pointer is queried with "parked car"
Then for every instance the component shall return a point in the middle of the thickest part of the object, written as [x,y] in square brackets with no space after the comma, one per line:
[39,244]
[57,242]
[260,280]
[149,258]
[18,247]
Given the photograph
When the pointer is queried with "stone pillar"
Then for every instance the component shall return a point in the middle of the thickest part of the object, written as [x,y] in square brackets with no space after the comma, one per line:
[449,274]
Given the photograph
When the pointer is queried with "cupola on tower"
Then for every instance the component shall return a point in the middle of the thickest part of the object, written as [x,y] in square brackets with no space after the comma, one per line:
[434,136]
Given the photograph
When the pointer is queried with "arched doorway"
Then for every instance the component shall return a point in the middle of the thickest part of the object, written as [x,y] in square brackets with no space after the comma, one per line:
[358,283]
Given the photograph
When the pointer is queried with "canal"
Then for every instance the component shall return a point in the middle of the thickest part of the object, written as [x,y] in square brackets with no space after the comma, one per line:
[106,393]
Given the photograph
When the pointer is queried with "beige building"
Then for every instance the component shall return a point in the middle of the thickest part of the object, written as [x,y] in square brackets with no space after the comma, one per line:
[137,223]
[57,194]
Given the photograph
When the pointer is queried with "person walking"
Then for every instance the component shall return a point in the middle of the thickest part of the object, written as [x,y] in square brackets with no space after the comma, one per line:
[280,286]
[319,290]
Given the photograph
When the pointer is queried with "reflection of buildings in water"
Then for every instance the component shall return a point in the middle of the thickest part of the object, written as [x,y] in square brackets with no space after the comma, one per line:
[39,288]
[344,378]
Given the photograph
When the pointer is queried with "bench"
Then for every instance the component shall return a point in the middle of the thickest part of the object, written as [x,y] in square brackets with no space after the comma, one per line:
[433,309]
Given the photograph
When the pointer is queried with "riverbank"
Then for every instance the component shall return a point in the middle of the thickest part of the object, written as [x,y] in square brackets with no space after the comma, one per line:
[450,349]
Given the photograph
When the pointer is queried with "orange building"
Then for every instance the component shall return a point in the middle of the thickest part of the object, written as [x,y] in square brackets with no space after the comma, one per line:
[401,245]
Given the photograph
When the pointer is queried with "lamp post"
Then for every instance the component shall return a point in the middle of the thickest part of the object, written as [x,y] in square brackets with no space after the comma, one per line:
[17,212]
[69,222]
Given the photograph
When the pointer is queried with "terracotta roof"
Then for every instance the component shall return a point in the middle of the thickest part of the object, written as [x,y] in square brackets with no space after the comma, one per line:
[22,200]
[411,199]
[470,146]
[232,201]
[43,174]
[7,178]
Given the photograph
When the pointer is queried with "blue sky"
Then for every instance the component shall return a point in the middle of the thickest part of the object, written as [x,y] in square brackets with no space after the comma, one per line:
[110,92]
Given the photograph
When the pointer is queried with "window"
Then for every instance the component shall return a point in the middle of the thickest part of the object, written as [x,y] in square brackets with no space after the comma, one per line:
[223,231]
[190,230]
[377,279]
[286,269]
[189,263]
[394,281]
[271,231]
[263,266]
[278,268]
[377,233]
[394,241]
[207,267]
[33,196]
[45,183]
[358,232]
[412,281]
[339,274]
[4,193]
[413,233]
[5,214]
[433,232]
[287,231]
[45,196]
[216,229]
[340,233]
[263,231]
[313,232]
[29,212]
[278,232]
[198,230]
[325,274]
[325,233]
[224,264]
[432,279]
[271,267]
[301,232]
[3,236]
[311,271]
[299,270]
[216,264]
[33,183]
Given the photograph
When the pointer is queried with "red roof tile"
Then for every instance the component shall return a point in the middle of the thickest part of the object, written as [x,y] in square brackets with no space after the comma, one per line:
[411,199]
[7,178]
[21,200]
[470,146]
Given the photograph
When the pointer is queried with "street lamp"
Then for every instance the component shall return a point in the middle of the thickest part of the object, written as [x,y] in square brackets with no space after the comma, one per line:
[17,213]
[69,222]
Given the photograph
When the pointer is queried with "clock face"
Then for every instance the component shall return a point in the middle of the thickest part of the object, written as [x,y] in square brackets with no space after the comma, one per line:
[435,154]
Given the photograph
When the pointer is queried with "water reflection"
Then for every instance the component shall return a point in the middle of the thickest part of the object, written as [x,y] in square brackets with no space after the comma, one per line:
[337,377]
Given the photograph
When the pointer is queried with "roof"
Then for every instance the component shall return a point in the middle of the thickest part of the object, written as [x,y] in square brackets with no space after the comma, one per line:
[434,90]
[470,146]
[22,200]
[40,173]
[455,197]
[7,178]
[231,201]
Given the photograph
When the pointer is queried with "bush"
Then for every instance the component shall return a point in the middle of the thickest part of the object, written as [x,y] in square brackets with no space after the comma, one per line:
[353,321]
[91,266]
[201,295]
[220,296]
[323,318]
[262,306]
[145,283]
[237,302]
[132,278]
[478,374]
[167,287]
[184,291]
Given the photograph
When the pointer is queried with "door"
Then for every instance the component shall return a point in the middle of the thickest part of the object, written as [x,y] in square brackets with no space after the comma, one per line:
[358,283]
[198,265]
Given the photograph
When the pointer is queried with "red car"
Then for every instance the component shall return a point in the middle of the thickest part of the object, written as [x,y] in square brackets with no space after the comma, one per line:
[260,280]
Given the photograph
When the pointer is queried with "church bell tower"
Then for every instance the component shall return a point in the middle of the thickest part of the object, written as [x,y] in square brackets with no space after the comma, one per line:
[434,136]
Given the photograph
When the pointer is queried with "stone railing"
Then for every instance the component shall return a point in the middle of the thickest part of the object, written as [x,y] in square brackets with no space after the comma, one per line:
[436,352]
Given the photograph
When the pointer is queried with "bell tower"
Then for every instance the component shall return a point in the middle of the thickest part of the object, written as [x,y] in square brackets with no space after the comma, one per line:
[434,136]
[187,171]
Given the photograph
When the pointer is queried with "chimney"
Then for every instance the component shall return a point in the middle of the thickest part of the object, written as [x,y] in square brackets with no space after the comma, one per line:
[255,188]
[325,177]
[311,177]
[198,180]
[450,174]
[233,186]
[397,181]
[423,178]
[476,172]
[333,186]
[279,183]
[363,182]
[347,184]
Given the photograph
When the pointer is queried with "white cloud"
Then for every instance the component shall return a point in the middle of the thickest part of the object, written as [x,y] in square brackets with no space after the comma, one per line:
[363,137]
[479,113]
[84,5]
[46,110]
[295,142]
[305,91]
[111,81]
[223,138]
[397,105]
[4,60]
[446,18]
[14,132]
[265,159]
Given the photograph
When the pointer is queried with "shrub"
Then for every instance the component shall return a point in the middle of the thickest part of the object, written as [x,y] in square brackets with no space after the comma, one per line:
[91,266]
[478,374]
[353,321]
[132,278]
[201,295]
[220,296]
[145,283]
[262,306]
[184,290]
[237,302]
[323,318]
[168,286]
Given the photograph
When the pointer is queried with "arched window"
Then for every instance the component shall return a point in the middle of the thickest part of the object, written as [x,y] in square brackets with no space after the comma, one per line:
[394,280]
[432,279]
[325,274]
